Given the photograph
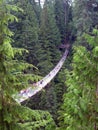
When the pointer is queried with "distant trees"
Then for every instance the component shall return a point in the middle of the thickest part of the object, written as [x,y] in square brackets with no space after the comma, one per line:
[26,30]
[85,15]
[48,54]
[49,40]
[63,18]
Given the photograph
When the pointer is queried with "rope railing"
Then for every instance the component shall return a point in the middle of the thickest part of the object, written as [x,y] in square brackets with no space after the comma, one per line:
[36,87]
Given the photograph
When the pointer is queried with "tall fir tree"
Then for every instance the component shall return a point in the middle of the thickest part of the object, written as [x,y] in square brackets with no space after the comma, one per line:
[26,29]
[80,107]
[12,79]
[85,12]
[63,18]
[48,54]
[49,39]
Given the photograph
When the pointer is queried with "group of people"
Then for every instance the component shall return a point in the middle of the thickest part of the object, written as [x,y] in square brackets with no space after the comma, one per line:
[46,79]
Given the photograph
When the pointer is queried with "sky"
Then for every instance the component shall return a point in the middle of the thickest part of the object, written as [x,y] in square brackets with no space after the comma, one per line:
[42,1]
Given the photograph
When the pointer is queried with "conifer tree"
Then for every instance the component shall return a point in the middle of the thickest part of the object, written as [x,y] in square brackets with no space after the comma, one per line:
[80,107]
[12,79]
[48,54]
[26,29]
[63,18]
[49,39]
[85,12]
[79,110]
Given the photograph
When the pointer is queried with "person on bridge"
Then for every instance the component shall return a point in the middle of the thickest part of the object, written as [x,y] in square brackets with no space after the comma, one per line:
[34,84]
[49,74]
[41,81]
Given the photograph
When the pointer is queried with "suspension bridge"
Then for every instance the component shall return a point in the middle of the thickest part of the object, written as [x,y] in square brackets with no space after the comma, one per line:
[38,86]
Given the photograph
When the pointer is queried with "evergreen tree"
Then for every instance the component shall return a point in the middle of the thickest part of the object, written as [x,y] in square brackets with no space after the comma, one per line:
[12,79]
[63,18]
[49,40]
[85,13]
[43,47]
[80,107]
[48,55]
[37,6]
[26,29]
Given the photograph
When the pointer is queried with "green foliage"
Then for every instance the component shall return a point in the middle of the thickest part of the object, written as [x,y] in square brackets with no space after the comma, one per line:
[40,120]
[48,55]
[49,39]
[60,17]
[13,79]
[34,119]
[63,16]
[85,15]
[26,30]
[80,107]
[28,119]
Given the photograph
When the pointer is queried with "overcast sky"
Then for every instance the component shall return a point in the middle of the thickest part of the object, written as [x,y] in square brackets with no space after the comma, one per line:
[40,0]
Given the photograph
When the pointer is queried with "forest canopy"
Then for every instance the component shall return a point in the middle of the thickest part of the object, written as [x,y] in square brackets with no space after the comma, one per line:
[33,38]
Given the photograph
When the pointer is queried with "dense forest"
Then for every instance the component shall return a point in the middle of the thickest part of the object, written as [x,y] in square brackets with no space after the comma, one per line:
[34,34]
